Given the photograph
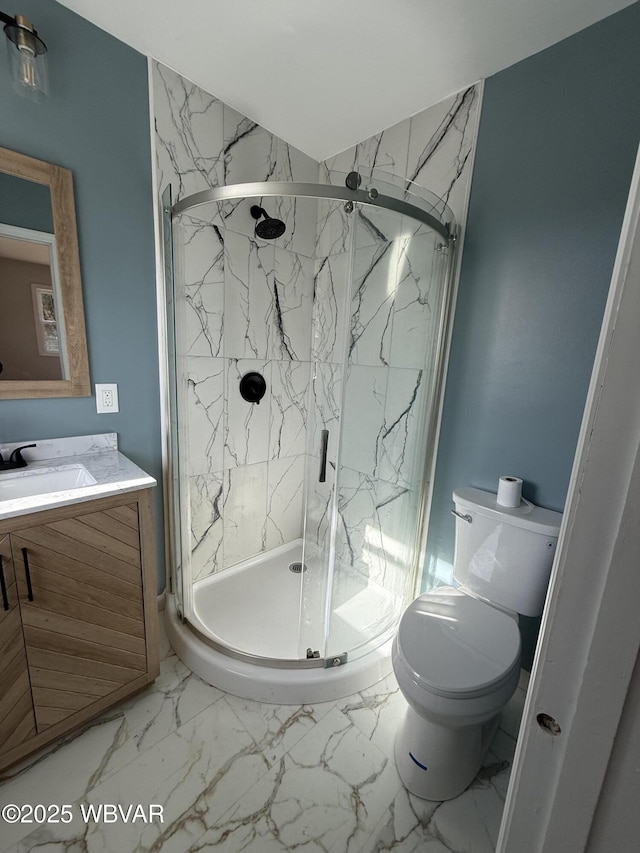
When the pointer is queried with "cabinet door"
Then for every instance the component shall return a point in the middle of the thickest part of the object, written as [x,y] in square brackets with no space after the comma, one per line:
[17,722]
[80,588]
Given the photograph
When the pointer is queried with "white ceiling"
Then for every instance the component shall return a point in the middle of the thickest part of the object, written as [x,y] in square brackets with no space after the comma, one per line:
[325,74]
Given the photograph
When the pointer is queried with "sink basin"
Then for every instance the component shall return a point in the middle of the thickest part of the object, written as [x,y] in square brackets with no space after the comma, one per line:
[27,483]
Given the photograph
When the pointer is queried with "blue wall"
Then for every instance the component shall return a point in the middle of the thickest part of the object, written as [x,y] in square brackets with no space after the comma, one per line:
[557,142]
[96,123]
[25,204]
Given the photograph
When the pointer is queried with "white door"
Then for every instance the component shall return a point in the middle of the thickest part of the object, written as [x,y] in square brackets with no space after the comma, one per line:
[590,631]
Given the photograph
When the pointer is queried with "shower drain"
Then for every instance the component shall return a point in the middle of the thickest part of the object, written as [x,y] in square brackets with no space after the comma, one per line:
[297,568]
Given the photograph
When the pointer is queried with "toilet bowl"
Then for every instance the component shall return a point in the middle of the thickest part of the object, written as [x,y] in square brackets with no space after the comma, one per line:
[456,692]
[456,654]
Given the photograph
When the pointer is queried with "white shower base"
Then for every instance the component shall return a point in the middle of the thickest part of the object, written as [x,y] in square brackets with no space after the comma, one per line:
[254,608]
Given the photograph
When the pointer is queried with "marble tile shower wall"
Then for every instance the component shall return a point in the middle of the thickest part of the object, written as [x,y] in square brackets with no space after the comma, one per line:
[247,307]
[282,310]
[433,148]
[392,332]
[395,290]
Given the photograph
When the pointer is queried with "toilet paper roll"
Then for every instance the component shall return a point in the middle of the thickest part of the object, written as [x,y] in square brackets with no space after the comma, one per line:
[509,491]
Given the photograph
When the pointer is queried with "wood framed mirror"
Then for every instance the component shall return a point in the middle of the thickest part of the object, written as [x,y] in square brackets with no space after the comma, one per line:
[43,345]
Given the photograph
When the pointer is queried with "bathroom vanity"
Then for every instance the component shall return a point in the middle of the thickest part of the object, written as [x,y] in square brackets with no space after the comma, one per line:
[78,615]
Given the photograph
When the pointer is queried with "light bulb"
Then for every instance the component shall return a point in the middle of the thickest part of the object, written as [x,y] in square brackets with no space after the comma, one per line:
[27,58]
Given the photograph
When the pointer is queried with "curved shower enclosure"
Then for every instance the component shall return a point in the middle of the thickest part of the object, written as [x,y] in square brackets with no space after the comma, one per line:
[306,336]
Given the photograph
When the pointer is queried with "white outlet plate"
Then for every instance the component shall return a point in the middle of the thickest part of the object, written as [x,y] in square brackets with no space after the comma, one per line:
[107,398]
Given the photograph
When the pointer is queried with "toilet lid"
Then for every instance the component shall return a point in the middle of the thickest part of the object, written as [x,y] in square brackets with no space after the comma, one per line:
[474,645]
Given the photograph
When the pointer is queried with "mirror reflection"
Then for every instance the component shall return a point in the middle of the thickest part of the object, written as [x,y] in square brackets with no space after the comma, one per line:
[42,338]
[29,283]
[29,336]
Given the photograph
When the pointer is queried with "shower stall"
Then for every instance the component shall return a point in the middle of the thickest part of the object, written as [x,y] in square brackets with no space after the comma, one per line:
[306,333]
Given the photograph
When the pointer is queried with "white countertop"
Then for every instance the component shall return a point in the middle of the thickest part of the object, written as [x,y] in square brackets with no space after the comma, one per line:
[112,471]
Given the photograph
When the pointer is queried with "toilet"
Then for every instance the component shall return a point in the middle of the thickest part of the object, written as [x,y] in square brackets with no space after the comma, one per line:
[456,654]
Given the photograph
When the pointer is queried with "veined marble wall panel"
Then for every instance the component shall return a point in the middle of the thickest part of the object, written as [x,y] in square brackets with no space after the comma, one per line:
[373,541]
[383,423]
[400,443]
[288,410]
[387,151]
[376,225]
[205,414]
[432,148]
[203,263]
[268,295]
[391,541]
[248,276]
[206,498]
[289,320]
[245,512]
[357,511]
[363,417]
[329,314]
[333,228]
[375,276]
[285,487]
[416,311]
[441,140]
[300,216]
[252,153]
[247,305]
[189,134]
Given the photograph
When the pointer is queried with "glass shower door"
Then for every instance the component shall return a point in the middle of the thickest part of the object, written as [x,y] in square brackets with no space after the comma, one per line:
[394,318]
[176,500]
[331,296]
[342,317]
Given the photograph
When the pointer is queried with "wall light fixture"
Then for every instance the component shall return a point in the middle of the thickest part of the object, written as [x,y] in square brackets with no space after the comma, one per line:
[27,57]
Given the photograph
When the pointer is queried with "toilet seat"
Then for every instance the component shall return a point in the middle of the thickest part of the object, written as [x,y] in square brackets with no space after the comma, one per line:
[456,646]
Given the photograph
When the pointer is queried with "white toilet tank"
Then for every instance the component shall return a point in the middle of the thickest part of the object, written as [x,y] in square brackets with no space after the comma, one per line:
[504,555]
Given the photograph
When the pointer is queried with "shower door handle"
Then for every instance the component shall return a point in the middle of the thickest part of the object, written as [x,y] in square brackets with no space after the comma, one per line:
[324,441]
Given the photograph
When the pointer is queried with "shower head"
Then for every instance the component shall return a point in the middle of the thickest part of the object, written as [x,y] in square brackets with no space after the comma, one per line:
[269,228]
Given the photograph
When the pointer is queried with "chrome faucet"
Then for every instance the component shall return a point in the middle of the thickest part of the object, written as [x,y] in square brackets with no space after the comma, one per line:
[16,460]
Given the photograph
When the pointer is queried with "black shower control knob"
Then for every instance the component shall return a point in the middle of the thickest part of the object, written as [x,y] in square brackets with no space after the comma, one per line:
[253,387]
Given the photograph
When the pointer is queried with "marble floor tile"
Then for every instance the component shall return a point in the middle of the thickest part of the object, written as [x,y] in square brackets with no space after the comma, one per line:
[62,775]
[234,775]
[323,795]
[276,728]
[471,821]
[377,712]
[176,697]
[196,774]
[406,827]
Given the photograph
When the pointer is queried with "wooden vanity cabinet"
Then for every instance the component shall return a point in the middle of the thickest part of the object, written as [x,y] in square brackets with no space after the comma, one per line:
[78,630]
